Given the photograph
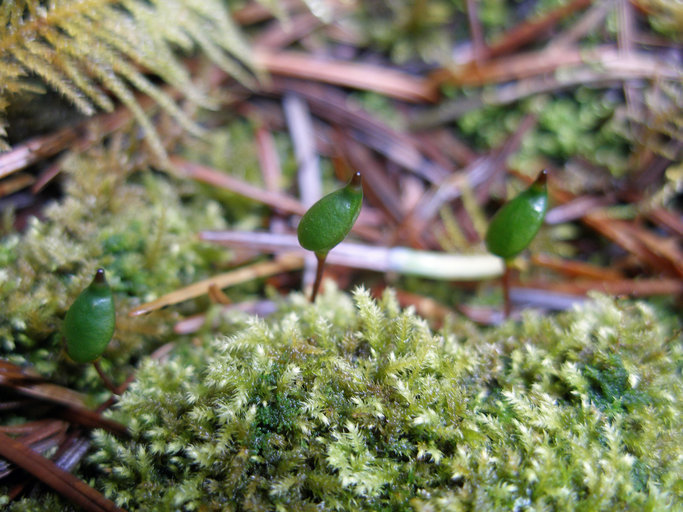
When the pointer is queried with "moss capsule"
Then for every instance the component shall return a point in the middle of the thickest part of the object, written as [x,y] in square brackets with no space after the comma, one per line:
[89,322]
[328,221]
[515,225]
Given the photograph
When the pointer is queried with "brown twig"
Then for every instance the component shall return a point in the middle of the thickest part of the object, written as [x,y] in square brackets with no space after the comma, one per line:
[276,200]
[575,269]
[18,182]
[529,31]
[280,35]
[256,12]
[224,180]
[44,146]
[645,246]
[23,155]
[667,219]
[577,208]
[218,296]
[72,488]
[613,64]
[640,287]
[92,419]
[334,107]
[387,81]
[507,94]
[376,183]
[271,169]
[261,269]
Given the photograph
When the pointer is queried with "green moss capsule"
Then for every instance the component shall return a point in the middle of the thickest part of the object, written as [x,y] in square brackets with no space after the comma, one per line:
[515,225]
[89,322]
[328,221]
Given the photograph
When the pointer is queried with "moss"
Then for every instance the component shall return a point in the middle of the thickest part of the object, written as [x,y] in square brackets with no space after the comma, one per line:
[354,404]
[580,122]
[98,223]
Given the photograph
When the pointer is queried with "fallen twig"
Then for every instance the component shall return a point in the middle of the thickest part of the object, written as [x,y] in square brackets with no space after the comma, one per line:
[640,287]
[224,180]
[334,107]
[387,81]
[614,65]
[52,475]
[529,30]
[575,268]
[403,260]
[285,263]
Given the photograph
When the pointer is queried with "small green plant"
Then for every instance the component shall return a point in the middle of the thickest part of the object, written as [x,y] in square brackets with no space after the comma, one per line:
[89,324]
[328,221]
[515,225]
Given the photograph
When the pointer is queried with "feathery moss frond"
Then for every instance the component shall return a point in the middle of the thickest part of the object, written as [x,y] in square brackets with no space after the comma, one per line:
[90,50]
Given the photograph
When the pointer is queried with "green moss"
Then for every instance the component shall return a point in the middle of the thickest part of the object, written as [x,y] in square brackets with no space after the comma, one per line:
[357,405]
[580,122]
[99,223]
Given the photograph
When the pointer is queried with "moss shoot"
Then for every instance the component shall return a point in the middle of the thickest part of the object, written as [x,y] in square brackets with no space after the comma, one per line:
[354,404]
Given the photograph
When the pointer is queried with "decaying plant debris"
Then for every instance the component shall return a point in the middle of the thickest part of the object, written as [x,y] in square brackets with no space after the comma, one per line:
[176,144]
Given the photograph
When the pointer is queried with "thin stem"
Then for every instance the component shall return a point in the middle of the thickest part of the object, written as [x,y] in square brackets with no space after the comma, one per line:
[506,291]
[318,274]
[105,379]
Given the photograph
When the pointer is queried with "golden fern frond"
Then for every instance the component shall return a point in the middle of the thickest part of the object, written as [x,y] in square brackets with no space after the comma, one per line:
[92,51]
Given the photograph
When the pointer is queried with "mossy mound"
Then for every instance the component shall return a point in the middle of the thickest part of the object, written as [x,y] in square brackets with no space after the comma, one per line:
[353,404]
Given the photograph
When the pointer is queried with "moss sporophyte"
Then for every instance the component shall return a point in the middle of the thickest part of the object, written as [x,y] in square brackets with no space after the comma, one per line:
[328,221]
[516,224]
[89,324]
